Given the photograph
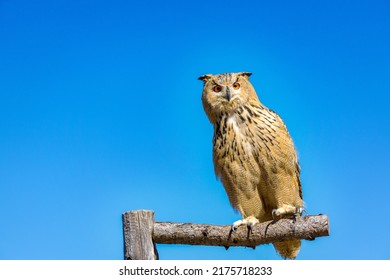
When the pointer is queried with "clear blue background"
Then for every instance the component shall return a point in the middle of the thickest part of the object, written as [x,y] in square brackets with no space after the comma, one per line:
[100,113]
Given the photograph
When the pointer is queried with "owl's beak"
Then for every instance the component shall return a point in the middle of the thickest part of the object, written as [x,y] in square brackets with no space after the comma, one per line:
[228,94]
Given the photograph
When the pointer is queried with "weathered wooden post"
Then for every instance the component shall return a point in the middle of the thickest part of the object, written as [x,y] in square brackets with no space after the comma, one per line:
[138,235]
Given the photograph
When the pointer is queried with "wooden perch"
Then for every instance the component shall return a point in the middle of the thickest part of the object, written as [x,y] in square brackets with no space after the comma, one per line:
[141,223]
[308,227]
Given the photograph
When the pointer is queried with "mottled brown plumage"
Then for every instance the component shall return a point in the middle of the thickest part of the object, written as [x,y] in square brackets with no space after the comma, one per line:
[253,153]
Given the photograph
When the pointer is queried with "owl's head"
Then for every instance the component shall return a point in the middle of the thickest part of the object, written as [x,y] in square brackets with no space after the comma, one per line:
[224,93]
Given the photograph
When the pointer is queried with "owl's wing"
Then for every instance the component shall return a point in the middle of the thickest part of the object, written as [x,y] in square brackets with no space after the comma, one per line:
[286,150]
[298,178]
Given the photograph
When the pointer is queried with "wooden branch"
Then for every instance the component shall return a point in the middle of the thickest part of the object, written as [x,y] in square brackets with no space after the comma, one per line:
[307,227]
[137,232]
[141,233]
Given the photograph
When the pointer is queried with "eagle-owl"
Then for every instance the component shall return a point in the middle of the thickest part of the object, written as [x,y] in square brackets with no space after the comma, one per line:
[253,154]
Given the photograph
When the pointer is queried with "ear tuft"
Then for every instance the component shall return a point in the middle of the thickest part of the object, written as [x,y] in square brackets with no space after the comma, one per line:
[205,78]
[245,74]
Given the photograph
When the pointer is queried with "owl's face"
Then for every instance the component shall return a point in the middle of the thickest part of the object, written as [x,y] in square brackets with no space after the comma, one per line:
[224,93]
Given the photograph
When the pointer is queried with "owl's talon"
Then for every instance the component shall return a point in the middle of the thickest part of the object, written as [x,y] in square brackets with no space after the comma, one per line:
[299,210]
[235,226]
[274,213]
[298,213]
[248,221]
[250,227]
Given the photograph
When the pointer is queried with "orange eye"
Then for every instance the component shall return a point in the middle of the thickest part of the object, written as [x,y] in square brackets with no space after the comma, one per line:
[236,86]
[217,88]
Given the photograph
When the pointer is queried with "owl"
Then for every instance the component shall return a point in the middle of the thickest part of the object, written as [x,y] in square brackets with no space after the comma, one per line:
[253,153]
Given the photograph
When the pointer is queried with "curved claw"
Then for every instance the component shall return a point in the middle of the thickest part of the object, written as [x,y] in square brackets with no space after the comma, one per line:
[298,213]
[299,210]
[250,227]
[274,214]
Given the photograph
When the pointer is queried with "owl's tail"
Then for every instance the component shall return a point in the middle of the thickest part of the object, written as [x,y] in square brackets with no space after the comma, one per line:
[288,249]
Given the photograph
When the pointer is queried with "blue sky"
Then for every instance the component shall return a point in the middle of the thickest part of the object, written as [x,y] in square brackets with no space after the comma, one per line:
[100,113]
